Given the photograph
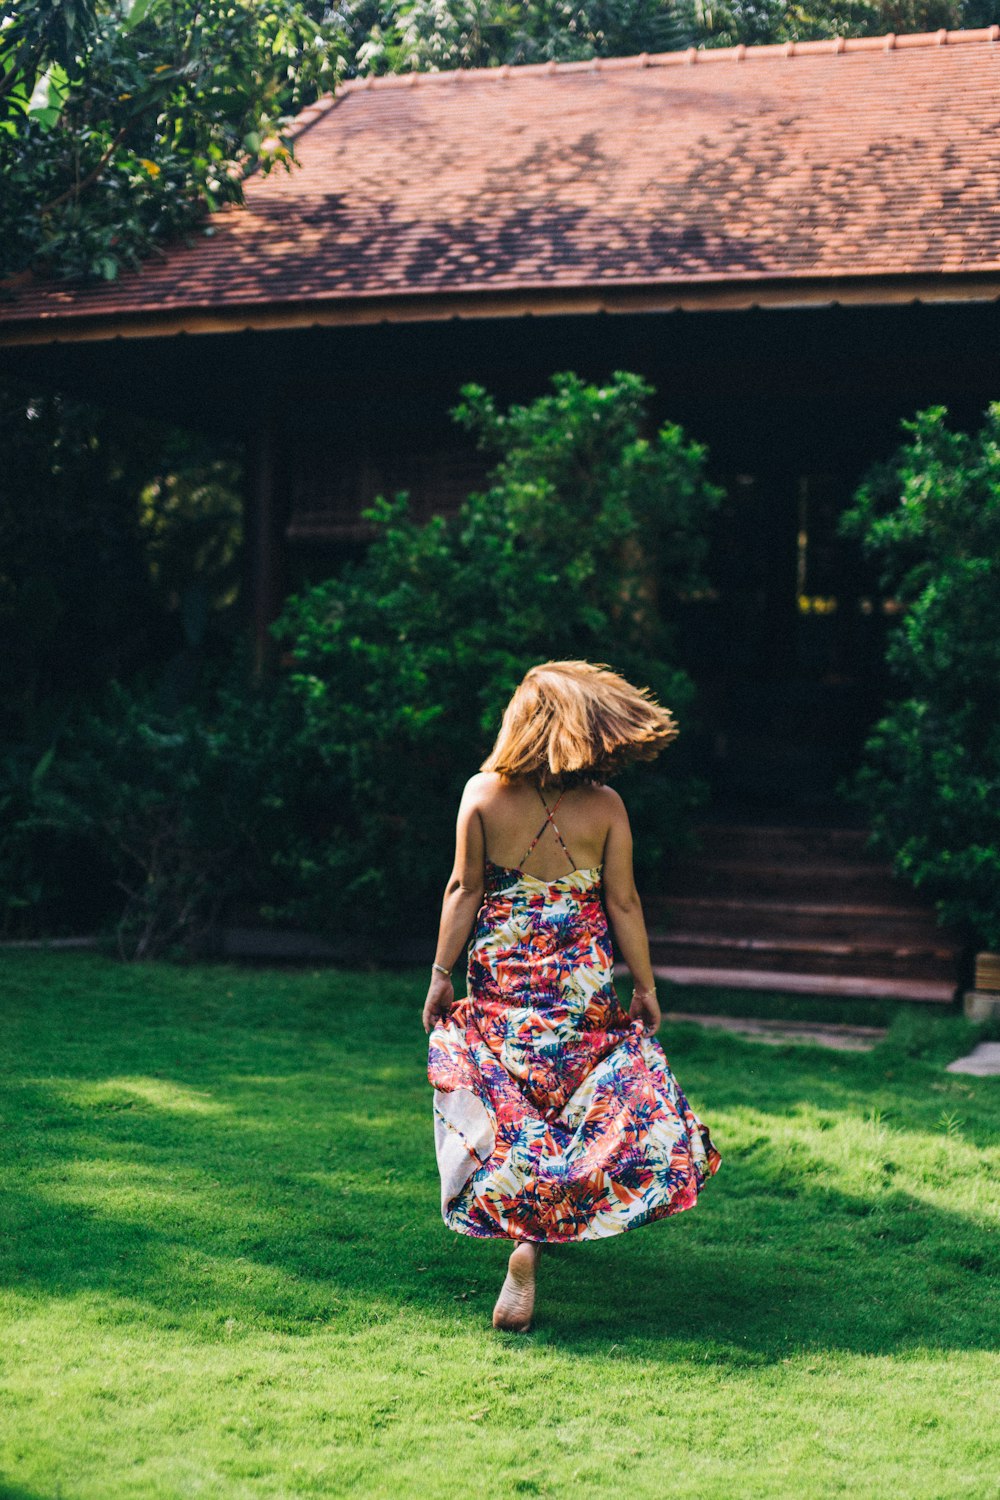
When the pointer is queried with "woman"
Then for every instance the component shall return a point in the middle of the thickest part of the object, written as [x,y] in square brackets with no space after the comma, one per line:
[556,1115]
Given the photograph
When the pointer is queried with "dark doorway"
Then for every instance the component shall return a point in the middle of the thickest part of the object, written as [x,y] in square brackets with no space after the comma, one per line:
[786,648]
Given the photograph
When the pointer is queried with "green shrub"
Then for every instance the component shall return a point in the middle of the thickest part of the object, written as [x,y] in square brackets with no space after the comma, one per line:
[120,541]
[931,778]
[151,824]
[129,784]
[52,878]
[587,533]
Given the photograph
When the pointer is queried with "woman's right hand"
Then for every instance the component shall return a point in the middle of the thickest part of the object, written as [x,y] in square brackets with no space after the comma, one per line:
[645,1008]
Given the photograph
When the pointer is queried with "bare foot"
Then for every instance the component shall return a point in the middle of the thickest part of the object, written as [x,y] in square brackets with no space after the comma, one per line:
[516,1301]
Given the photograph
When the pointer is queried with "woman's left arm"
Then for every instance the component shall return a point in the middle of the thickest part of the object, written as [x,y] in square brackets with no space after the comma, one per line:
[463,897]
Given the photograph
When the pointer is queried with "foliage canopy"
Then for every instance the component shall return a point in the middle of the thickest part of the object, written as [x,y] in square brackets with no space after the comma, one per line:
[123,121]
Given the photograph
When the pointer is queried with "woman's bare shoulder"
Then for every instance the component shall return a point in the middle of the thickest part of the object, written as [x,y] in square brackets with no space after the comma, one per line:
[607,799]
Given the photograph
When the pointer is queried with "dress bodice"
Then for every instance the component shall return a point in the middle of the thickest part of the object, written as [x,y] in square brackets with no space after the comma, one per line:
[516,884]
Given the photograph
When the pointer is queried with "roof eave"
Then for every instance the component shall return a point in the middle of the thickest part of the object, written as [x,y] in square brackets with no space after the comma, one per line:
[726,294]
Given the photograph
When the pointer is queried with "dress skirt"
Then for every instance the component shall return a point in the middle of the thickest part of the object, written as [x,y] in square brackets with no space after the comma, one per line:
[555,1117]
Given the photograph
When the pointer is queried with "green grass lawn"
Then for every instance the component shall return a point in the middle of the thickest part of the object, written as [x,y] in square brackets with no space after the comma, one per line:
[224,1271]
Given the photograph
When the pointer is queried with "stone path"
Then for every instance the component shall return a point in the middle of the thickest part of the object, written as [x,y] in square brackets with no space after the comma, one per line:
[983,1060]
[817,1033]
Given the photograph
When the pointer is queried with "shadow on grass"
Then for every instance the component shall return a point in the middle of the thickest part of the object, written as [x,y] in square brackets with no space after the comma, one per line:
[9,1491]
[226,1222]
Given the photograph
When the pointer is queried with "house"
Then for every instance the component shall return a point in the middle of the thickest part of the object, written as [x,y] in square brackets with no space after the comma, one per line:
[798,245]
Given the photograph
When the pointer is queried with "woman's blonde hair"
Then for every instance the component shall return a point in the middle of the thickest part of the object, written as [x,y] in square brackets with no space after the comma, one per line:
[577,721]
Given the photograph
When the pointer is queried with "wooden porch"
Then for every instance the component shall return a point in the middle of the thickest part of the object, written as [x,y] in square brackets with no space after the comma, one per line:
[803,910]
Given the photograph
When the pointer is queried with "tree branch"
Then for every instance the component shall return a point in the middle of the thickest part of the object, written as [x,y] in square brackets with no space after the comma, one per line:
[92,176]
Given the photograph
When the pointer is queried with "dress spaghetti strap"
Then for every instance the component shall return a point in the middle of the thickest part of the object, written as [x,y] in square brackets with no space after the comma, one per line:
[549,818]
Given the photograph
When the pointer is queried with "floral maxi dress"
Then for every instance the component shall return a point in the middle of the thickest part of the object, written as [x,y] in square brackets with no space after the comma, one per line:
[555,1117]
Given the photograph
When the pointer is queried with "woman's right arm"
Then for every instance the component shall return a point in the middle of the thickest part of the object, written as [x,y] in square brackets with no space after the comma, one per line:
[462,899]
[624,909]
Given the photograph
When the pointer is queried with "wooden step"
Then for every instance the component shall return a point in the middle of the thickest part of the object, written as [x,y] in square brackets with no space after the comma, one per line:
[827,882]
[834,986]
[831,920]
[805,955]
[810,909]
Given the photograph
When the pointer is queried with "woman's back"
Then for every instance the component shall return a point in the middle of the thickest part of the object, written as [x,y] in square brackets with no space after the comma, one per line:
[513,813]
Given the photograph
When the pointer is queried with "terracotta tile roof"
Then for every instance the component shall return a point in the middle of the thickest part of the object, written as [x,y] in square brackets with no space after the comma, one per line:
[835,159]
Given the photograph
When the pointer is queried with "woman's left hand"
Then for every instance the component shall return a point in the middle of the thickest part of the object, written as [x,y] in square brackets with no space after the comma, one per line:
[645,1008]
[440,999]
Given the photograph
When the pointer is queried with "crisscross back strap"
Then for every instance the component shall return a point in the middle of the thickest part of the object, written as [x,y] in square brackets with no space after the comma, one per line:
[549,818]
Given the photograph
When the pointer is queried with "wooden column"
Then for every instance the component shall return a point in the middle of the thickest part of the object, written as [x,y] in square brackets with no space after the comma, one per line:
[265,540]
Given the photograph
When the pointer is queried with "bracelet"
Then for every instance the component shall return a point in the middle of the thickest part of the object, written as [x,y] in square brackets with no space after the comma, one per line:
[441,969]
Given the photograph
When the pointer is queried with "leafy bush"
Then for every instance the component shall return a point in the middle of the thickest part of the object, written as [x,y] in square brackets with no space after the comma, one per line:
[120,541]
[153,823]
[52,879]
[133,789]
[403,664]
[931,781]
